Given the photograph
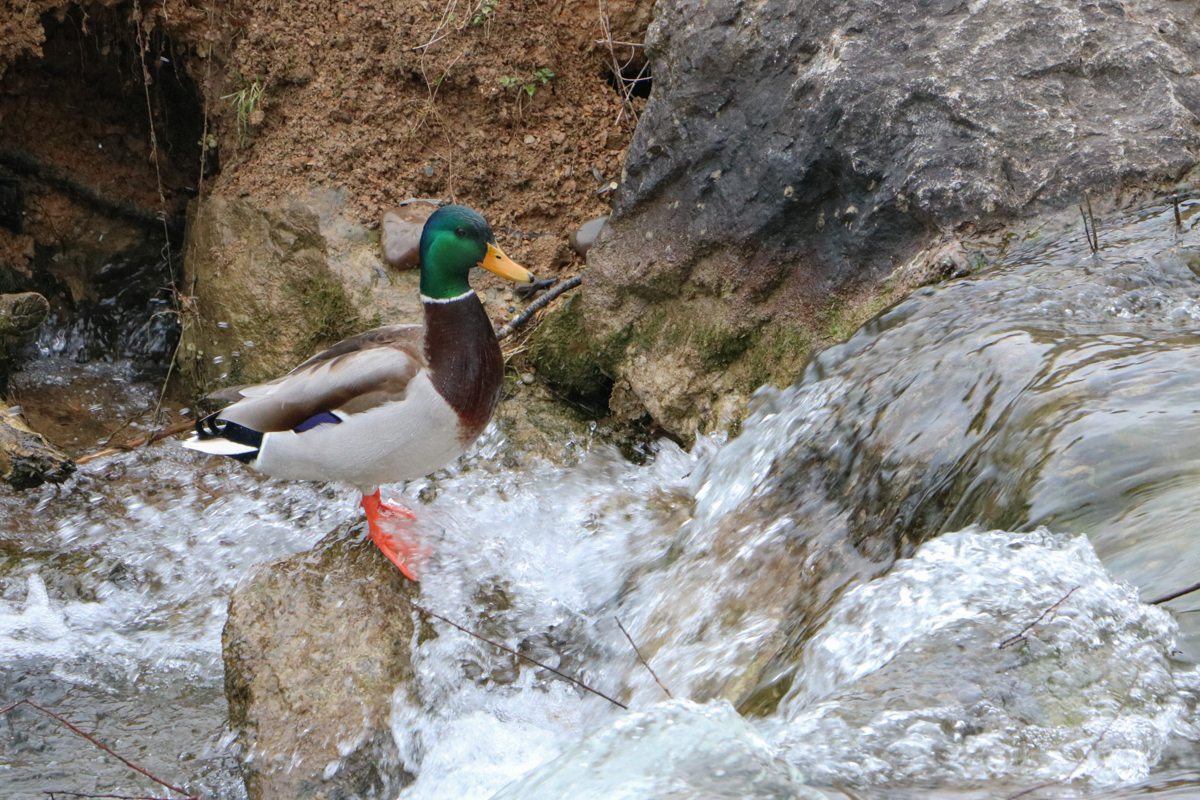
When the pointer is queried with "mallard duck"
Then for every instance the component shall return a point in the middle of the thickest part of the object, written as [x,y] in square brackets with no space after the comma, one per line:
[388,405]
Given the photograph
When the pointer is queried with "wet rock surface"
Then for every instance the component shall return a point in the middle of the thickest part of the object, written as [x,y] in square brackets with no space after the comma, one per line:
[1055,387]
[793,154]
[315,645]
[400,232]
[20,314]
[26,458]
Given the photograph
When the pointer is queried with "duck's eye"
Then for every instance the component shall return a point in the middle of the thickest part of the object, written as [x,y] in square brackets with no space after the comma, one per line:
[461,232]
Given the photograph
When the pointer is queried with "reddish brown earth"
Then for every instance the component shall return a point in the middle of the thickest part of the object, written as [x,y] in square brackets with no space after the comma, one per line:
[385,100]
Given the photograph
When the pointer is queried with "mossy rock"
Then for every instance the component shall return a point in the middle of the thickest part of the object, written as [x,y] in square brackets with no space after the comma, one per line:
[264,296]
[26,458]
[568,362]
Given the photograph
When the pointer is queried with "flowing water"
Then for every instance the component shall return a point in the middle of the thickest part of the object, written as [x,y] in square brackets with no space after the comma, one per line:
[916,573]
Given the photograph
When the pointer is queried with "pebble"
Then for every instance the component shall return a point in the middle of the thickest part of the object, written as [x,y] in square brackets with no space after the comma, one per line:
[582,239]
[530,138]
[401,237]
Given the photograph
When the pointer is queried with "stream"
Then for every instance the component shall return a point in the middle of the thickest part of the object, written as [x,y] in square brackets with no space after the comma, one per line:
[915,573]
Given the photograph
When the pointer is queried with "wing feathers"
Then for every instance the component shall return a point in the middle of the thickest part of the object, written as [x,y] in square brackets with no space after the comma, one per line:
[353,376]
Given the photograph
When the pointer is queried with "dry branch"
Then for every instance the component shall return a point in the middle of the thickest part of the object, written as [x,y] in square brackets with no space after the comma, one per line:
[27,702]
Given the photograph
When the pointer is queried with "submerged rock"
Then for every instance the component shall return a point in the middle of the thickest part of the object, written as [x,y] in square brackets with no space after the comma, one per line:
[792,156]
[678,750]
[26,458]
[937,673]
[315,645]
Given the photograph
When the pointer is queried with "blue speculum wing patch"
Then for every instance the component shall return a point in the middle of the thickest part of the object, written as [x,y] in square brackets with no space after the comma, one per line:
[324,418]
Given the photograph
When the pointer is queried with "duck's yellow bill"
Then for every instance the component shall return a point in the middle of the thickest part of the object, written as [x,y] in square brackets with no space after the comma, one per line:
[495,261]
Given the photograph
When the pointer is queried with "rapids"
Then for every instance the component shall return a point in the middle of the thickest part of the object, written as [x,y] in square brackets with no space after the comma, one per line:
[914,573]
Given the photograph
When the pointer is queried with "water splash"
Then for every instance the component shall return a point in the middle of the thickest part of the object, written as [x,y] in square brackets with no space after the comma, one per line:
[908,681]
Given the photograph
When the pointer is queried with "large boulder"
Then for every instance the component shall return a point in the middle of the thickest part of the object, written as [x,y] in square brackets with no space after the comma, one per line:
[315,645]
[793,155]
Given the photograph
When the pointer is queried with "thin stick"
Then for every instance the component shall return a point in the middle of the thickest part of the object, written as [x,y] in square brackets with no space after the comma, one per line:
[1178,219]
[510,651]
[642,658]
[1020,636]
[1167,597]
[161,433]
[1087,234]
[1095,234]
[101,745]
[57,792]
[537,305]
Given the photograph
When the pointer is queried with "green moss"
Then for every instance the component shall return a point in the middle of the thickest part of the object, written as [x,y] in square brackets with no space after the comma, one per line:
[329,316]
[560,351]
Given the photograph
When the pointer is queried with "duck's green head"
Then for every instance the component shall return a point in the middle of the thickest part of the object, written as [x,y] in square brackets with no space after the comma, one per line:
[454,239]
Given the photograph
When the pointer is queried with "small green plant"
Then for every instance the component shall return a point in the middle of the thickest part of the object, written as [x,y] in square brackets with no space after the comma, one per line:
[482,14]
[540,77]
[247,100]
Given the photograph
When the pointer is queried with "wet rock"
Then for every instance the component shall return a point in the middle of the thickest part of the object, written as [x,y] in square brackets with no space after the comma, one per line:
[583,238]
[275,283]
[918,674]
[733,247]
[26,458]
[21,313]
[401,232]
[315,645]
[699,752]
[1052,387]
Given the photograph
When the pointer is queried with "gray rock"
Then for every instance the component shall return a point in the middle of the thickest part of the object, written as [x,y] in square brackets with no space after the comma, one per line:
[791,155]
[20,315]
[314,647]
[582,239]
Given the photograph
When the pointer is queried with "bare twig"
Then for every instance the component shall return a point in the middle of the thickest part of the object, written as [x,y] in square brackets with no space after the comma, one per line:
[57,792]
[1093,238]
[510,651]
[161,433]
[626,87]
[642,658]
[1018,637]
[101,745]
[1168,597]
[537,305]
[1178,218]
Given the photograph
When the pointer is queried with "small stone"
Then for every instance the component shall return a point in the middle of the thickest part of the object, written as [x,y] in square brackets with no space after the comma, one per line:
[530,138]
[401,232]
[582,239]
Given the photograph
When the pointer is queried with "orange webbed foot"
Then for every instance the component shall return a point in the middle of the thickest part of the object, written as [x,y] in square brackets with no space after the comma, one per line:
[391,531]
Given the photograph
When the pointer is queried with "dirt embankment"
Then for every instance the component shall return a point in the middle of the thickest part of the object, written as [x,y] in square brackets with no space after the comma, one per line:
[509,107]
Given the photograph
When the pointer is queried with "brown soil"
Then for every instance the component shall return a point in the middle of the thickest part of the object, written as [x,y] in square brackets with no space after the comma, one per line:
[385,100]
